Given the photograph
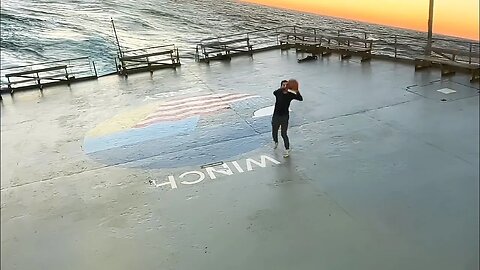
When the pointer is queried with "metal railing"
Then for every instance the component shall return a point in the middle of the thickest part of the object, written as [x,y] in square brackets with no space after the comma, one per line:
[384,44]
[40,74]
[257,40]
[149,58]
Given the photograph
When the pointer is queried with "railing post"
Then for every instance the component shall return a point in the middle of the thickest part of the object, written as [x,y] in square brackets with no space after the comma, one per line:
[38,82]
[295,33]
[95,69]
[470,54]
[365,39]
[66,74]
[395,46]
[178,57]
[9,84]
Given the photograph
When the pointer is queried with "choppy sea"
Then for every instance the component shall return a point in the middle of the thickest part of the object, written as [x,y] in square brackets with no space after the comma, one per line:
[41,30]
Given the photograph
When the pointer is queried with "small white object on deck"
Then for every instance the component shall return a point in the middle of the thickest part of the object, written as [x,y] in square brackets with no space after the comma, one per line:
[446,91]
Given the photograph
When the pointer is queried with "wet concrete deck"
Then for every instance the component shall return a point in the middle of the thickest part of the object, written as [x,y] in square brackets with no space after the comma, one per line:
[383,173]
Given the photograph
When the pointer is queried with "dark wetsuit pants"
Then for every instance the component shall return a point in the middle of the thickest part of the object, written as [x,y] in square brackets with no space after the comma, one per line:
[280,121]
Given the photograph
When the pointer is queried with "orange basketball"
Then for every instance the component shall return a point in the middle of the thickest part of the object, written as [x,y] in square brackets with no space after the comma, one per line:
[292,84]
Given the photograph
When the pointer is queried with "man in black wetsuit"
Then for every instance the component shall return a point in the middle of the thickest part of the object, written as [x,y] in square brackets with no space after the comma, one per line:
[281,114]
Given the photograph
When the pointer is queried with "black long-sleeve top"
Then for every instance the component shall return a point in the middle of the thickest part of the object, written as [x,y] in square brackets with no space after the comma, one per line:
[283,100]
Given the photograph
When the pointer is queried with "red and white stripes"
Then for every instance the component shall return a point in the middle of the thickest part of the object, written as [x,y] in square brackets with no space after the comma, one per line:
[187,107]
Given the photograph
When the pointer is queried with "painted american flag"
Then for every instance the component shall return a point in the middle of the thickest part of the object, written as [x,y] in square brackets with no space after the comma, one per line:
[192,106]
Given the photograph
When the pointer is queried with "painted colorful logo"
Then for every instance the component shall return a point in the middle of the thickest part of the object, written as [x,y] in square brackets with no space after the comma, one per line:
[185,131]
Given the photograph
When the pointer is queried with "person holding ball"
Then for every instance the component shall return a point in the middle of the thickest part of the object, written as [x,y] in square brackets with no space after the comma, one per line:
[283,96]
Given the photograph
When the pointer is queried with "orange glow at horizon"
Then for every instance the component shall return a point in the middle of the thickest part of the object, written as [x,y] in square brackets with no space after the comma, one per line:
[458,18]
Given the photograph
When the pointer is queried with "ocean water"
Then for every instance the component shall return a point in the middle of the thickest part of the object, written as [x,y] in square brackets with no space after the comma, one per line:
[41,30]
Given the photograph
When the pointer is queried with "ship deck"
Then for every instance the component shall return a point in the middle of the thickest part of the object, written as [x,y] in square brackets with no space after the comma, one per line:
[383,173]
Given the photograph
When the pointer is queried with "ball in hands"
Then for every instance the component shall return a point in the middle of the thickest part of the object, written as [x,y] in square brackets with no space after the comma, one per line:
[292,84]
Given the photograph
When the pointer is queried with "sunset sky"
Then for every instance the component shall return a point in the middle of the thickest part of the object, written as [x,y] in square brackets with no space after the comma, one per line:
[451,17]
